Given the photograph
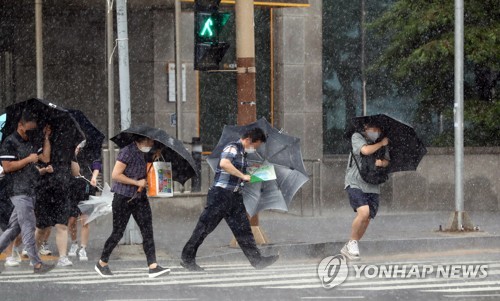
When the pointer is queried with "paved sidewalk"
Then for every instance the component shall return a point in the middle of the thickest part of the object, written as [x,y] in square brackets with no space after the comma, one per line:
[297,237]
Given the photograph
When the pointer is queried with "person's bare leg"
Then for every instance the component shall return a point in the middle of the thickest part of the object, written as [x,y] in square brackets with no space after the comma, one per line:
[41,235]
[84,231]
[360,222]
[62,239]
[72,228]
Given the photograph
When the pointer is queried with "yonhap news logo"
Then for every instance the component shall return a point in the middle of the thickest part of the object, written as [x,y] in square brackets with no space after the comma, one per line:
[333,271]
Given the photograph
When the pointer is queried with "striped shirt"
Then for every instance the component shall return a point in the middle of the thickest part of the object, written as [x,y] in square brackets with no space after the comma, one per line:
[235,152]
[131,156]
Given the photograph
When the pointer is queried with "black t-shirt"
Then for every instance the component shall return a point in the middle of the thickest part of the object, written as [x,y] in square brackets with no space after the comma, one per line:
[15,148]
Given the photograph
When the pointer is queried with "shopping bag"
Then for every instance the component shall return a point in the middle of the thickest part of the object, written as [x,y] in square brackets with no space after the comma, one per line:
[160,179]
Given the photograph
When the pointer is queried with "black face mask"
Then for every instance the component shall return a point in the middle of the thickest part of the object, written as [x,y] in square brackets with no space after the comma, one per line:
[32,134]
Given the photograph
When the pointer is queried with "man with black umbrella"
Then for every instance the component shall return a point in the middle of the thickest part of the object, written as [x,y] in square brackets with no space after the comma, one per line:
[363,196]
[19,156]
[224,201]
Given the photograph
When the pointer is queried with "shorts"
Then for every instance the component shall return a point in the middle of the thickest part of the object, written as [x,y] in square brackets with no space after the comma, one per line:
[6,209]
[52,206]
[358,198]
[80,190]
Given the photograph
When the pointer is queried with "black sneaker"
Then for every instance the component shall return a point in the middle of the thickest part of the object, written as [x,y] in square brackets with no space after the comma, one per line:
[158,271]
[192,266]
[44,268]
[266,261]
[104,271]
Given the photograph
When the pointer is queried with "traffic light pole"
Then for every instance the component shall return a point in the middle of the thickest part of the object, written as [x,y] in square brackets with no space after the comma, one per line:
[245,82]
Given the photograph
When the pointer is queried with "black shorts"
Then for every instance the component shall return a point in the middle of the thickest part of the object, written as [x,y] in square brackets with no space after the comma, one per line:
[80,190]
[52,206]
[358,198]
[6,209]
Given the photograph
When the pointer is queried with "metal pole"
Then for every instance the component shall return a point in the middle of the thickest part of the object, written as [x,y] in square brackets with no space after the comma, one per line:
[111,86]
[132,235]
[39,48]
[459,110]
[121,25]
[363,54]
[178,70]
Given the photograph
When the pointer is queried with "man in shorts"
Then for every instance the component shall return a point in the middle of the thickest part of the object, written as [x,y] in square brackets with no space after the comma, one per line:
[363,196]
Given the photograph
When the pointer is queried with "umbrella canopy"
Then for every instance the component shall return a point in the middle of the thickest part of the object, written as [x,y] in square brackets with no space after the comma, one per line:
[93,137]
[282,151]
[405,148]
[183,166]
[66,133]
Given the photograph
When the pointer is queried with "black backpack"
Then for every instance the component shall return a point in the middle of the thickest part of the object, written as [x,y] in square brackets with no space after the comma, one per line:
[369,172]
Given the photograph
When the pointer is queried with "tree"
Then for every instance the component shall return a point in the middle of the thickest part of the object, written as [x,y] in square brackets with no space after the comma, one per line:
[419,55]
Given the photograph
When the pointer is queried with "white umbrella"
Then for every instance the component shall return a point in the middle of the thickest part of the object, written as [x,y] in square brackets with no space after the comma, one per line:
[97,206]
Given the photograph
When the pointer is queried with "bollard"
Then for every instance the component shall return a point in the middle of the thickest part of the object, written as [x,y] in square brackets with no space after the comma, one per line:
[196,153]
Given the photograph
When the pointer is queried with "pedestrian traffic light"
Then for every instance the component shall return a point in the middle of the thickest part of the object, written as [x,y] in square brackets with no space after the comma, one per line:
[209,22]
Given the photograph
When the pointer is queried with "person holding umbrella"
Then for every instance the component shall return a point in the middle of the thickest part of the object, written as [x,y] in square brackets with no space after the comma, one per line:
[129,199]
[225,201]
[19,156]
[363,196]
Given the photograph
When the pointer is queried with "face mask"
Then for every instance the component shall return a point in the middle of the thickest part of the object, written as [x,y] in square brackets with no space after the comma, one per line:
[32,134]
[145,149]
[250,150]
[373,136]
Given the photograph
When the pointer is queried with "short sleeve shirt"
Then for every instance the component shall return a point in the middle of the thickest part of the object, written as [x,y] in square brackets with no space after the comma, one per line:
[235,153]
[352,177]
[131,156]
[15,148]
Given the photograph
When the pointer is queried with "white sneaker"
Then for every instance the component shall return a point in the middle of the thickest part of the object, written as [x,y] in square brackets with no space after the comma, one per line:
[24,253]
[64,262]
[83,254]
[11,262]
[72,250]
[44,250]
[16,255]
[351,250]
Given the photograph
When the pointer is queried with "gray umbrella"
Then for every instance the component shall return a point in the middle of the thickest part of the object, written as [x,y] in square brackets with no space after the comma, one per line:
[282,151]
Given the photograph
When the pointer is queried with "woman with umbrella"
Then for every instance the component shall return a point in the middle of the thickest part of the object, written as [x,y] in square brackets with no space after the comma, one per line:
[129,199]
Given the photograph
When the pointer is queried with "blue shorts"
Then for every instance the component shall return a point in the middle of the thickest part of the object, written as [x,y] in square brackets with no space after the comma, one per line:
[358,198]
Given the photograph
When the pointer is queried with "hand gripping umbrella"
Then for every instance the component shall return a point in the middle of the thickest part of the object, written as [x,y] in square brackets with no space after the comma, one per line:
[172,150]
[283,152]
[66,132]
[94,138]
[406,150]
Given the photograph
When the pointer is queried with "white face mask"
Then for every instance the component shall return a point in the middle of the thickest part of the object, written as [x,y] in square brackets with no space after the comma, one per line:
[373,136]
[145,149]
[250,150]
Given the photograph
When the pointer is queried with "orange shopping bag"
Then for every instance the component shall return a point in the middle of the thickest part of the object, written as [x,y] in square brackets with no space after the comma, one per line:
[160,179]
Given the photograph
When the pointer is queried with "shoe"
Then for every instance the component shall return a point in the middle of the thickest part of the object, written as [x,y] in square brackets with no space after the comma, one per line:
[351,250]
[158,271]
[266,261]
[192,266]
[44,268]
[82,254]
[16,255]
[72,250]
[44,250]
[24,253]
[11,262]
[64,262]
[104,271]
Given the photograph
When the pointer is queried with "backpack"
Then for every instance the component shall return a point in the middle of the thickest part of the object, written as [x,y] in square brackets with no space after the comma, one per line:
[369,172]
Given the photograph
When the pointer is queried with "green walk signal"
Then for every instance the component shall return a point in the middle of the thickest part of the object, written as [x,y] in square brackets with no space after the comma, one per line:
[208,25]
[207,28]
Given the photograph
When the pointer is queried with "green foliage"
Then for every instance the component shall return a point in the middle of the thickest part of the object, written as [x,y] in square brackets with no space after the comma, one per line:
[420,57]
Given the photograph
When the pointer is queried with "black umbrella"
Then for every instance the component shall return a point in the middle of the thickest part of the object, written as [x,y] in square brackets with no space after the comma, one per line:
[93,137]
[183,166]
[405,148]
[283,152]
[66,133]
